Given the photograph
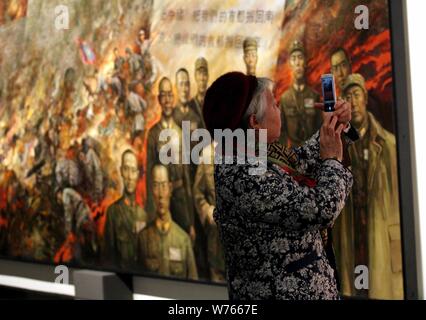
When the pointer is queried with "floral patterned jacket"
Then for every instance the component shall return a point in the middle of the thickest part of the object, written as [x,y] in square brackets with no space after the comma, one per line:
[270,226]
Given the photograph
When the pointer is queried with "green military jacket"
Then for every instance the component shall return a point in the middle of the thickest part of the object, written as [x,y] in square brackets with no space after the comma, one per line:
[383,223]
[204,196]
[182,207]
[299,118]
[192,115]
[123,222]
[167,253]
[196,122]
[197,106]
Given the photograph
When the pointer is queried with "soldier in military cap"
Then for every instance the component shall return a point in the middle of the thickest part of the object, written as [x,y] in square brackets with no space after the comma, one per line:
[368,230]
[182,207]
[164,248]
[300,120]
[201,79]
[125,218]
[250,55]
[118,60]
[185,110]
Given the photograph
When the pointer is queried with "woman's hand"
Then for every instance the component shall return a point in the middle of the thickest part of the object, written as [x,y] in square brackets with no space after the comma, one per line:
[331,146]
[342,110]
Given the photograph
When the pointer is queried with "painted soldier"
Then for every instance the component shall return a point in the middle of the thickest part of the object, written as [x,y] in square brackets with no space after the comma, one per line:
[125,218]
[300,120]
[367,233]
[250,55]
[182,208]
[201,79]
[118,60]
[164,248]
[186,109]
[134,109]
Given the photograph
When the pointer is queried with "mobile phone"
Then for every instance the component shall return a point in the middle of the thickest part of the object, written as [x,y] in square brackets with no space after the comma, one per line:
[328,92]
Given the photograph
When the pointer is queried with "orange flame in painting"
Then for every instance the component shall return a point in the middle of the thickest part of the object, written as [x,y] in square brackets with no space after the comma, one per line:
[369,52]
[372,54]
[65,252]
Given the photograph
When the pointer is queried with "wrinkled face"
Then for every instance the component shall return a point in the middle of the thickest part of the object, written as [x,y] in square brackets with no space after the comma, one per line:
[340,67]
[129,172]
[297,64]
[272,118]
[356,96]
[250,59]
[183,87]
[161,190]
[201,78]
[166,98]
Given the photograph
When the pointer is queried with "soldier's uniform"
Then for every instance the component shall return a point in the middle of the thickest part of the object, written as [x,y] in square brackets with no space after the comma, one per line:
[167,253]
[368,231]
[191,113]
[188,113]
[123,222]
[197,106]
[299,118]
[182,207]
[195,103]
[205,199]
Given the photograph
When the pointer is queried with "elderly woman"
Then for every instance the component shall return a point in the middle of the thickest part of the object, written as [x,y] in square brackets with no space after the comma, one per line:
[270,223]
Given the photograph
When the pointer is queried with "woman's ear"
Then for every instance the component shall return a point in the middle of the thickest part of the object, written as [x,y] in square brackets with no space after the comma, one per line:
[254,124]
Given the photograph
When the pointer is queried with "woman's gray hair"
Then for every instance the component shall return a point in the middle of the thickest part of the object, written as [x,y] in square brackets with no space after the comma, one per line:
[259,101]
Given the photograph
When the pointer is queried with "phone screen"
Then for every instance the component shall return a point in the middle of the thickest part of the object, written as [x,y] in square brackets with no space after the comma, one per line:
[328,93]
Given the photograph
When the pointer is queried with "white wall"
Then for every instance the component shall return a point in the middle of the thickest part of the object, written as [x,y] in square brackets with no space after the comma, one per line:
[416,14]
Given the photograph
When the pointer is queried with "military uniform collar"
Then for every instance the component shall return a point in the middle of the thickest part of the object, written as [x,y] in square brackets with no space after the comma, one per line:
[184,108]
[129,200]
[364,131]
[166,124]
[198,101]
[376,131]
[159,225]
[299,87]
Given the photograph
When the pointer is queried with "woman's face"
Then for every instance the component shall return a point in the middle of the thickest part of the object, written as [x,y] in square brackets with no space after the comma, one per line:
[272,119]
